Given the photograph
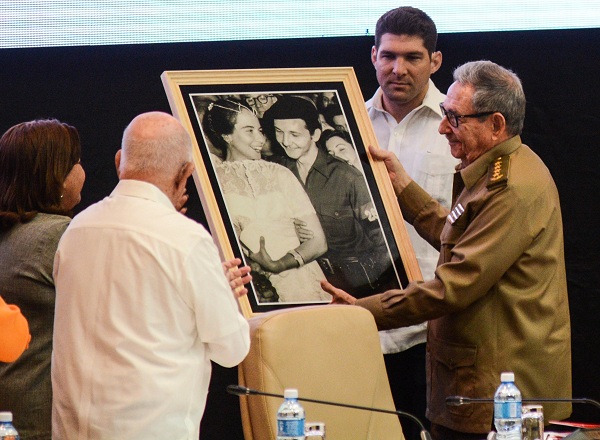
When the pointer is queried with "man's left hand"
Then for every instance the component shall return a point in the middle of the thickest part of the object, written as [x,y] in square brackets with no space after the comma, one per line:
[338,296]
[237,276]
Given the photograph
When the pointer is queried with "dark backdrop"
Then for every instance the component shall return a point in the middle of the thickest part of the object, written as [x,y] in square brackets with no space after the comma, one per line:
[100,89]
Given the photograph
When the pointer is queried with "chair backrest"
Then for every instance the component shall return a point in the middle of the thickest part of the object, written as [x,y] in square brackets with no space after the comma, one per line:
[328,353]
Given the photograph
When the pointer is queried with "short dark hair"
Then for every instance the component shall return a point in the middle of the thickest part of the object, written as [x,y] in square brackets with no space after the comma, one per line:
[407,20]
[293,107]
[331,112]
[35,159]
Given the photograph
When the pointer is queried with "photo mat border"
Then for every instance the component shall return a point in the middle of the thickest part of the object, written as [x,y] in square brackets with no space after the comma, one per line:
[180,85]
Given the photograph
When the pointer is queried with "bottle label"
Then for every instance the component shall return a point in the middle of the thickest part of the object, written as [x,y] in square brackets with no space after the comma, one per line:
[290,428]
[507,410]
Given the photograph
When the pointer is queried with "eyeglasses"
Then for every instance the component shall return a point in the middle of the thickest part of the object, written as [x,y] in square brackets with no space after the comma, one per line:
[263,99]
[453,118]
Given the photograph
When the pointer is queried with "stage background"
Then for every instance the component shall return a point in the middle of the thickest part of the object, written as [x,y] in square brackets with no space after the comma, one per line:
[99,89]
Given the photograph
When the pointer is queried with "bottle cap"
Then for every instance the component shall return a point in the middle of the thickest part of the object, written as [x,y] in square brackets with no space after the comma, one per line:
[290,393]
[532,408]
[5,416]
[508,376]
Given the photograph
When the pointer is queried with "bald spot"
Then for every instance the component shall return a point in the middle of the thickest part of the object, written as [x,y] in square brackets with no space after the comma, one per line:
[155,146]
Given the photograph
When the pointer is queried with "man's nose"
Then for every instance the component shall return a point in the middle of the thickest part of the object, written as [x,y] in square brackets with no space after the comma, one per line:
[399,66]
[444,126]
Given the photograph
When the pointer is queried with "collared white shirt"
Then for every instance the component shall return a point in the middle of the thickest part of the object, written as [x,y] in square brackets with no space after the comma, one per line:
[142,308]
[425,155]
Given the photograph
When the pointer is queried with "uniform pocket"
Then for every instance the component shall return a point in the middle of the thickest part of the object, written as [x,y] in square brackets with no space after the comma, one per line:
[452,373]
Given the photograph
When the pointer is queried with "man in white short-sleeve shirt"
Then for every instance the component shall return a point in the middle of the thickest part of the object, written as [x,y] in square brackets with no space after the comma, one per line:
[406,115]
[143,305]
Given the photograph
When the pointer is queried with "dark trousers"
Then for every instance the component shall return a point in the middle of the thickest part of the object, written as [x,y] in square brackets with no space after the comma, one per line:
[406,374]
[359,276]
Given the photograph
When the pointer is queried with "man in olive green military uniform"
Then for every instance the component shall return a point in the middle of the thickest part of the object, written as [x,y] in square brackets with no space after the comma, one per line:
[498,301]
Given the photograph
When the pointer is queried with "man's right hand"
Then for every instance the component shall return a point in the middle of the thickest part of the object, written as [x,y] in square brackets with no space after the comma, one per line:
[398,175]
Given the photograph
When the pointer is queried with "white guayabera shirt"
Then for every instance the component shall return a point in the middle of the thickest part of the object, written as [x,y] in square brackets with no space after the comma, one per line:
[142,308]
[425,155]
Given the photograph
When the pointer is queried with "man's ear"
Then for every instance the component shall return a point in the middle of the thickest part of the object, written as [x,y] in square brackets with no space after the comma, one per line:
[316,135]
[436,61]
[498,125]
[373,54]
[118,163]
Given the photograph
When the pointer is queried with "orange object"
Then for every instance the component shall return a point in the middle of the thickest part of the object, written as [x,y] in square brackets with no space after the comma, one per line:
[14,332]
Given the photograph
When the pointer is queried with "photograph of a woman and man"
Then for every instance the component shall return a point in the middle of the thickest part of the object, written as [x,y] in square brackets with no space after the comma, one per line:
[295,193]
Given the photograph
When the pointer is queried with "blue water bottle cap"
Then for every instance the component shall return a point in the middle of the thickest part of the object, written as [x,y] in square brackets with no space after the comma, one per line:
[5,416]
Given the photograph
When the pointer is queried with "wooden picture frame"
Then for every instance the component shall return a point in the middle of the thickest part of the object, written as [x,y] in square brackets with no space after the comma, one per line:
[193,93]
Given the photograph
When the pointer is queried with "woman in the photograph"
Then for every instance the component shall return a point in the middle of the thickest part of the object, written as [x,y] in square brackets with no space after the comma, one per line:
[40,183]
[266,203]
[339,145]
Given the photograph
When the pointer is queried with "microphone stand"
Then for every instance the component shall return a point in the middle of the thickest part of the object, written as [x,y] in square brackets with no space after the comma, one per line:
[461,400]
[239,390]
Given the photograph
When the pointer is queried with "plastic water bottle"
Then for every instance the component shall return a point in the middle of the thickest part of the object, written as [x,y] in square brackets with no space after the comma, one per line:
[507,409]
[290,417]
[7,430]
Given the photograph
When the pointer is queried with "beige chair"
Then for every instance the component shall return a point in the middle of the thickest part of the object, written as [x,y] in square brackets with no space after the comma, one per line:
[328,353]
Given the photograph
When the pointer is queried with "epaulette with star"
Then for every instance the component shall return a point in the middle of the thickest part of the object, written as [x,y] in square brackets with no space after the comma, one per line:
[498,172]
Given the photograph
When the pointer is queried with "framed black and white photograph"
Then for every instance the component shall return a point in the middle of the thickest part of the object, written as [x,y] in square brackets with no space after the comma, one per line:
[287,183]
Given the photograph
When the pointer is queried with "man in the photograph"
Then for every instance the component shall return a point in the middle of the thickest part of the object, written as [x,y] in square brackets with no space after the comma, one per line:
[357,256]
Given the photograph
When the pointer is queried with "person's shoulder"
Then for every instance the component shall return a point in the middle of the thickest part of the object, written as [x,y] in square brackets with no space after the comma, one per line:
[177,230]
[369,103]
[433,98]
[90,212]
[51,222]
[521,171]
[42,233]
[279,170]
[279,159]
[527,167]
[189,225]
[374,105]
[434,92]
[497,172]
[175,219]
[333,163]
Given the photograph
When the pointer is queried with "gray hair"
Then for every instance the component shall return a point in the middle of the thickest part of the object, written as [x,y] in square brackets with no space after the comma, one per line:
[155,143]
[496,89]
